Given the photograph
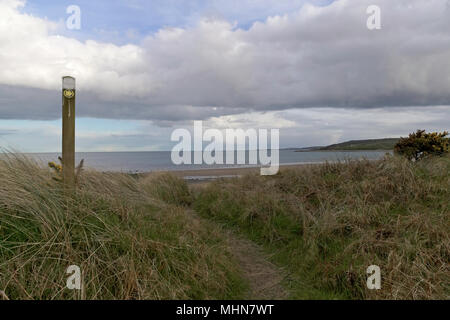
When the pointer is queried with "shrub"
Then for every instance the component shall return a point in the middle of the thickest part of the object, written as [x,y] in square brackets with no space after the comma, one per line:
[421,144]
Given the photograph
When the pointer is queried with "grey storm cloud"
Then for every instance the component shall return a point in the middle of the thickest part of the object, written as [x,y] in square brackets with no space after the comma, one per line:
[313,57]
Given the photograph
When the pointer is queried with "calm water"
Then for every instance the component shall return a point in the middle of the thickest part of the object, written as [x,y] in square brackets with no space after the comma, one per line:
[161,160]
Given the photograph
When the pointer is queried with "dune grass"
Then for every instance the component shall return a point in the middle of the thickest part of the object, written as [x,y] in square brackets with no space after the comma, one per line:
[136,238]
[327,223]
[131,238]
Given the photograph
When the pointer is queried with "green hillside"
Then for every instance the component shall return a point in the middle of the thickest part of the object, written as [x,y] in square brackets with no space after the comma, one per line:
[373,144]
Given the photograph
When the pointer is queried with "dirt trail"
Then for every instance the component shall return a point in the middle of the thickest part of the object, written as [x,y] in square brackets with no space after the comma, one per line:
[264,278]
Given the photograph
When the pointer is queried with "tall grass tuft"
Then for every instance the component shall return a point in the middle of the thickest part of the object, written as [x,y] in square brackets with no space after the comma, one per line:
[327,223]
[129,240]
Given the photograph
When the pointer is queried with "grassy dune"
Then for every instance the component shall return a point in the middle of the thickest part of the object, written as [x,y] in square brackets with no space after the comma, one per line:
[140,238]
[131,238]
[326,224]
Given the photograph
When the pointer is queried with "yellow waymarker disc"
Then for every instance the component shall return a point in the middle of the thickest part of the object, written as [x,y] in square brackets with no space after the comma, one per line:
[69,94]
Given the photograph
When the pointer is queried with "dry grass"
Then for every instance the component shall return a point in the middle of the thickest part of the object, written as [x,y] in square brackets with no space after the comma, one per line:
[130,241]
[136,238]
[326,224]
[265,279]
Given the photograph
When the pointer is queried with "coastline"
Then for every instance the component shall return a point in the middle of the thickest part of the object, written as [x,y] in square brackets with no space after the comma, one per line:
[210,174]
[206,174]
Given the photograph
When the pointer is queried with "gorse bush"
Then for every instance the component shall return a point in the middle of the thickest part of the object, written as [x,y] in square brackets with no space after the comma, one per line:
[128,241]
[421,144]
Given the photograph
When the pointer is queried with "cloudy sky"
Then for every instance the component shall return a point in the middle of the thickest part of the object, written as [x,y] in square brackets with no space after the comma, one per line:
[146,67]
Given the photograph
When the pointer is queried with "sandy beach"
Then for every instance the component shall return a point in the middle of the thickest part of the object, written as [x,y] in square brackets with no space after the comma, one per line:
[211,174]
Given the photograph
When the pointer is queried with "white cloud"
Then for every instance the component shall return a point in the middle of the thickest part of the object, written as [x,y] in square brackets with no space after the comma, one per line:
[313,57]
[324,126]
[254,120]
[33,55]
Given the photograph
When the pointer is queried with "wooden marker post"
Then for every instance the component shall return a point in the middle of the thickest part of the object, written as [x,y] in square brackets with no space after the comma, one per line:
[68,128]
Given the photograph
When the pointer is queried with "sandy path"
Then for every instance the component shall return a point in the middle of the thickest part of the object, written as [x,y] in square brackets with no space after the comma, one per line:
[264,278]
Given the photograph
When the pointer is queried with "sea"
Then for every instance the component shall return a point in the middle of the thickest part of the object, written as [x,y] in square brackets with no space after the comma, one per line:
[139,162]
